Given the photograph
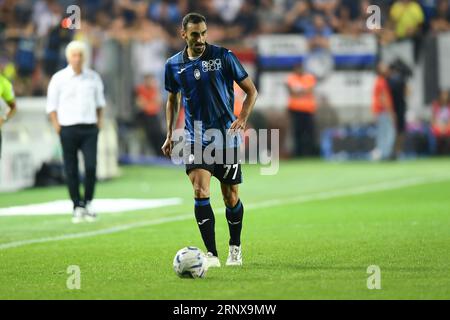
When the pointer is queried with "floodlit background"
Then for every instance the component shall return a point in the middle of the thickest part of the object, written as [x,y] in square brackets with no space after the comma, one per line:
[312,230]
[338,41]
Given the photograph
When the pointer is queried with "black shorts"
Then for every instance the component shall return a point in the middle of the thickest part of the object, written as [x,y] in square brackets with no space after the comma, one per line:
[227,169]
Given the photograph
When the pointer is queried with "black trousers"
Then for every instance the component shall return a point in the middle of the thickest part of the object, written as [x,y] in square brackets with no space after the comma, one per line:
[73,139]
[303,130]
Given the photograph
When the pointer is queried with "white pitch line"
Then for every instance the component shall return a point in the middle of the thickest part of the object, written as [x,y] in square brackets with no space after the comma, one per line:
[384,186]
[93,233]
[102,206]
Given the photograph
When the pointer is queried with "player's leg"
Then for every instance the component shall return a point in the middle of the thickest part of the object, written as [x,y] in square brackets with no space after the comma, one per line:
[69,142]
[200,179]
[89,150]
[234,213]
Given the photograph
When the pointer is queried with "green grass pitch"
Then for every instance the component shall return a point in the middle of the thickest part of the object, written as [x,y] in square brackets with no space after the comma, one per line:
[310,232]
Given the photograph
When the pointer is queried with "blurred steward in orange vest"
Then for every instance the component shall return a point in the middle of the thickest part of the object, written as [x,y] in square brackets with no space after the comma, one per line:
[302,106]
[383,110]
[149,100]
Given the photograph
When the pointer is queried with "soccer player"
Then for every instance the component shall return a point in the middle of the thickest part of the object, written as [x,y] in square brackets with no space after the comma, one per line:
[7,95]
[202,75]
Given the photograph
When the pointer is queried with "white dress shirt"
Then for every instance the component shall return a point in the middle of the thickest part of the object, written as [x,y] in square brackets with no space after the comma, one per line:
[75,98]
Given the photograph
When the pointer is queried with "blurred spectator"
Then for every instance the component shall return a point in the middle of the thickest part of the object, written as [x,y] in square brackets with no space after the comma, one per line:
[216,26]
[383,110]
[297,17]
[168,13]
[342,22]
[149,100]
[326,7]
[26,58]
[46,15]
[429,11]
[149,51]
[319,61]
[270,17]
[92,8]
[53,52]
[441,20]
[245,23]
[397,78]
[408,18]
[302,106]
[353,7]
[318,33]
[228,9]
[440,123]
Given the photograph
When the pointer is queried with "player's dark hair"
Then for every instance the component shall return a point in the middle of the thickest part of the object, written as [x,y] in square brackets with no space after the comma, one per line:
[194,18]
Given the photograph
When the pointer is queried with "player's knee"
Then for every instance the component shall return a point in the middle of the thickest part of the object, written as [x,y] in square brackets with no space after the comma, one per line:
[201,191]
[230,198]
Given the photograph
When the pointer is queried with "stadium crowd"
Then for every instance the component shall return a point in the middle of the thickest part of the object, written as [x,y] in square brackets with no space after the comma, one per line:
[129,40]
[32,39]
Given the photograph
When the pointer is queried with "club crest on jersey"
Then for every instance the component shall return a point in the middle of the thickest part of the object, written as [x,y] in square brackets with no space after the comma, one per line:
[197,74]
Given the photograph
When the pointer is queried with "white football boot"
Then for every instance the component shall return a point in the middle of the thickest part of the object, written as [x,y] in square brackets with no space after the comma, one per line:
[90,214]
[78,214]
[234,256]
[213,261]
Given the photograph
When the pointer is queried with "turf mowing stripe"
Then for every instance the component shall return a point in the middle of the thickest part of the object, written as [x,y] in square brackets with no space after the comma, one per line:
[125,227]
[384,186]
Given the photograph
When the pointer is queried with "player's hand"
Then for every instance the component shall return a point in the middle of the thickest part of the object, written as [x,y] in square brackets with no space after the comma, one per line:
[237,125]
[1,121]
[58,129]
[167,147]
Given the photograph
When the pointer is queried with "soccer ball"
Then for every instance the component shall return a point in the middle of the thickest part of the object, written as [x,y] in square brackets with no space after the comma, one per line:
[190,262]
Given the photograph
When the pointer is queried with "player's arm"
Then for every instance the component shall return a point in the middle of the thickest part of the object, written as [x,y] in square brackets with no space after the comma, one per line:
[54,120]
[100,101]
[9,97]
[249,88]
[10,113]
[12,109]
[99,118]
[52,103]
[172,109]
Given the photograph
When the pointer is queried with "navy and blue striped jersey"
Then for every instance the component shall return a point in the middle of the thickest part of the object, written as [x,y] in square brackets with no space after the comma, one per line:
[206,86]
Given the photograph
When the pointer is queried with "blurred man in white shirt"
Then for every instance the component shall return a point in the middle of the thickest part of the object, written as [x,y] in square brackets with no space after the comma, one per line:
[75,102]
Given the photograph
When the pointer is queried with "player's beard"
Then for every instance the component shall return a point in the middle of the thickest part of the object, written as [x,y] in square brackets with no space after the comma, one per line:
[198,49]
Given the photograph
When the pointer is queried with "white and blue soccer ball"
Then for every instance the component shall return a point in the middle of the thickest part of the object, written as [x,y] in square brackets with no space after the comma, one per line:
[190,262]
